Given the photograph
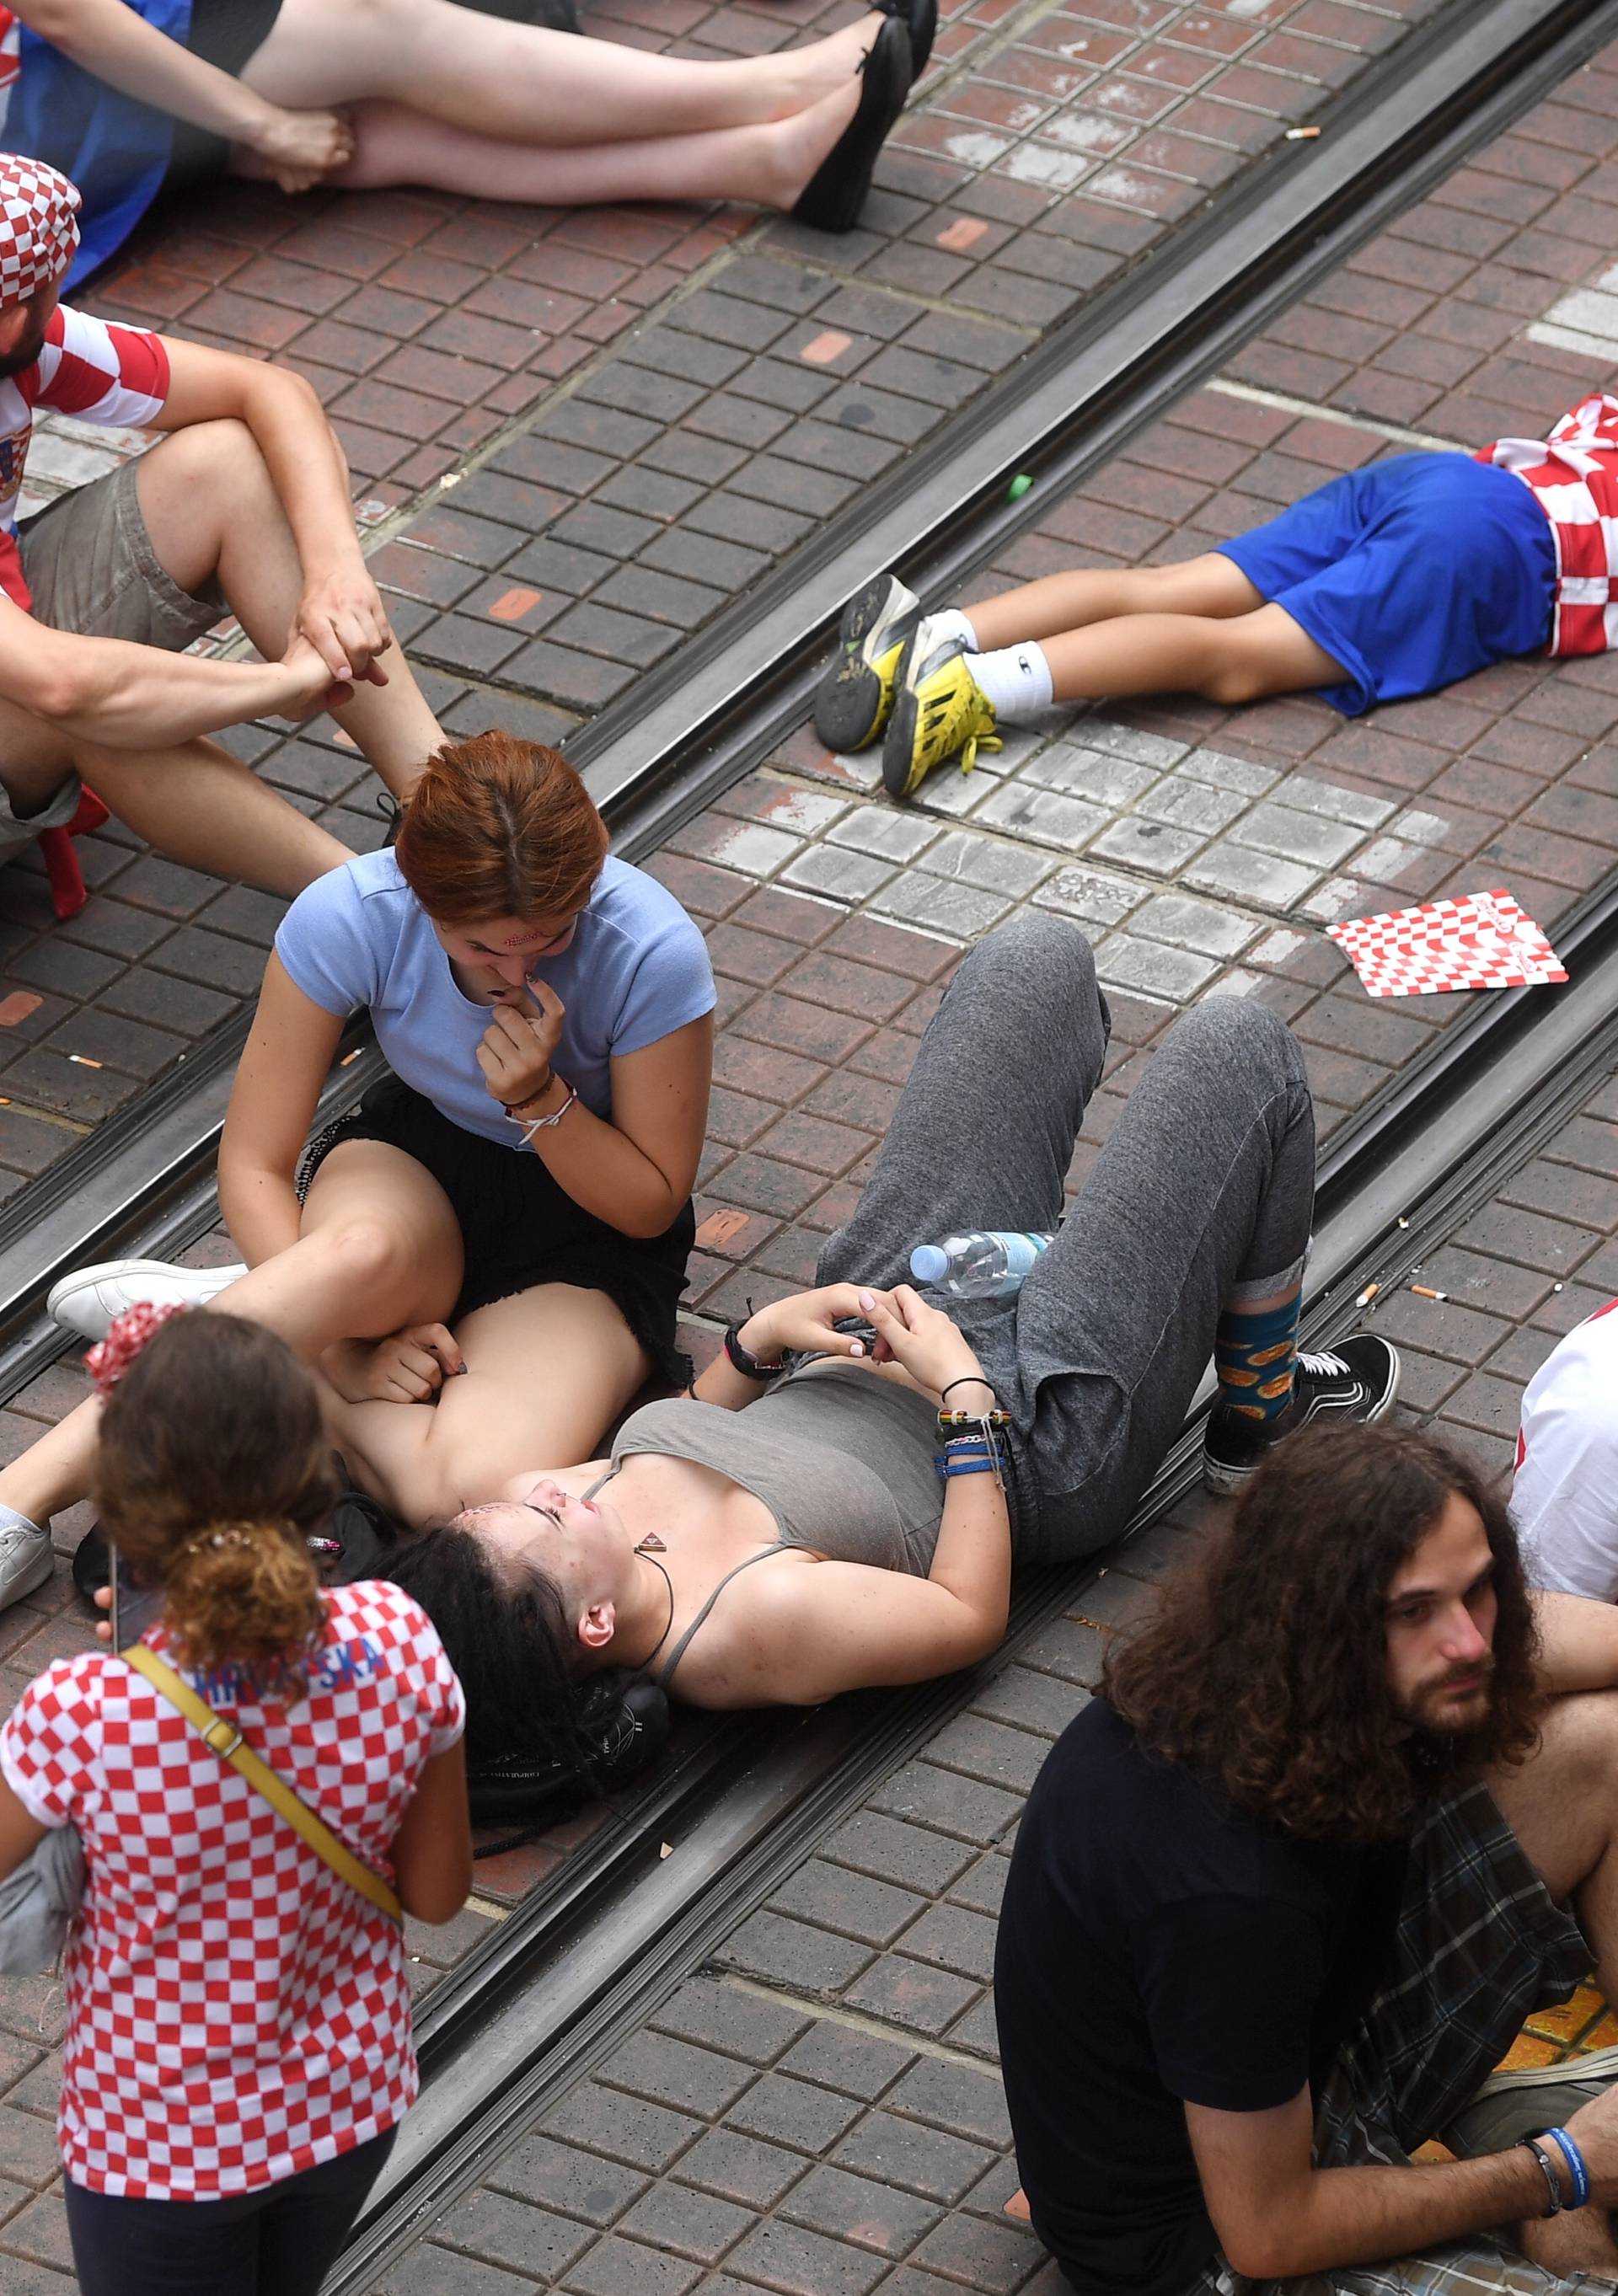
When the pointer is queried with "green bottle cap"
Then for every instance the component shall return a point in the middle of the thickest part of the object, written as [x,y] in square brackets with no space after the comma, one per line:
[1019,486]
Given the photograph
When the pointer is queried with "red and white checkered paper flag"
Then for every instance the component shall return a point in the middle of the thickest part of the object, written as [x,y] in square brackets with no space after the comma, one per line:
[1477,941]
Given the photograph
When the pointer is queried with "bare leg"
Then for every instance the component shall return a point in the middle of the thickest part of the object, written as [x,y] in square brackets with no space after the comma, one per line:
[520,84]
[379,1249]
[211,510]
[1211,587]
[548,1372]
[1560,1806]
[56,1472]
[1234,660]
[204,807]
[195,802]
[766,166]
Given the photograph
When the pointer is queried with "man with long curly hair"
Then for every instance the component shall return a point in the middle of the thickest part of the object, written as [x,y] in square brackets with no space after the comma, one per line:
[1343,1816]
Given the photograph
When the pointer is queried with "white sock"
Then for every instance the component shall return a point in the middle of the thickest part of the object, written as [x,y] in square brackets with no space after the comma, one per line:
[1017,679]
[951,628]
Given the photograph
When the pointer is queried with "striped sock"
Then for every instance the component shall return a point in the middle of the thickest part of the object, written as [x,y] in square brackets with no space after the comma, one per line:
[1254,1355]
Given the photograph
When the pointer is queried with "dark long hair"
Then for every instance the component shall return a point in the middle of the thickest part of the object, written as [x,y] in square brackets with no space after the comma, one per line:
[1264,1667]
[508,1638]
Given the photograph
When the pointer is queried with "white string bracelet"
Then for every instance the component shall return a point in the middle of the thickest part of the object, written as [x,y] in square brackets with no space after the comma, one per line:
[527,1126]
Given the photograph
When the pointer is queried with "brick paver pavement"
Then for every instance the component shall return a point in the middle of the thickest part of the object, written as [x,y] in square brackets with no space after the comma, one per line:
[1204,848]
[818,2112]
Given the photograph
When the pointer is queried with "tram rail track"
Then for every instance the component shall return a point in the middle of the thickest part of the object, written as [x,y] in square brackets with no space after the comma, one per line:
[591,1952]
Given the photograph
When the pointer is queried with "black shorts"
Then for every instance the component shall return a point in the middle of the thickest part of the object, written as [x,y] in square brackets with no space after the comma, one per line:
[520,1227]
[228,33]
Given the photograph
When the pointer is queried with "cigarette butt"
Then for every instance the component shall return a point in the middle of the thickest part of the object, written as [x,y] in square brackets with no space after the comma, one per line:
[84,1060]
[349,1060]
[1367,1295]
[1425,1292]
[1301,134]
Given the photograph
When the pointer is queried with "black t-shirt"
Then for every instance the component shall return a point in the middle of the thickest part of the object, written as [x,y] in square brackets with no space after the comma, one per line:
[1157,1949]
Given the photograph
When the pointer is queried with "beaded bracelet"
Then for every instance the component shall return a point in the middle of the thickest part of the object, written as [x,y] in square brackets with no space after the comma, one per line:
[947,1420]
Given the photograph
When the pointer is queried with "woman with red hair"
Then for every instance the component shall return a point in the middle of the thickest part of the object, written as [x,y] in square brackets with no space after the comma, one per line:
[504,1222]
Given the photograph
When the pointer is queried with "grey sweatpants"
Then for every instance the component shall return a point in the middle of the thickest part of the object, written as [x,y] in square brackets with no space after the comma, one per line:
[1202,1193]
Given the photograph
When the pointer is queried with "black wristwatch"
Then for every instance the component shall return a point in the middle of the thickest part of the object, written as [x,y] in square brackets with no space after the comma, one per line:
[746,1363]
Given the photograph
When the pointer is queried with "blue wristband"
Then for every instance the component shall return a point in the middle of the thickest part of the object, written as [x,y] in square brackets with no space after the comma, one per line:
[1574,2159]
[968,1467]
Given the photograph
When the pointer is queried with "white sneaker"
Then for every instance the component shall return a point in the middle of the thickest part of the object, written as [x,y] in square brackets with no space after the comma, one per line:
[88,1300]
[25,1556]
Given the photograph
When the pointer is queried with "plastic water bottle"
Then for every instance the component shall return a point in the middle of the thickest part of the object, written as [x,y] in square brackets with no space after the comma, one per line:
[989,1264]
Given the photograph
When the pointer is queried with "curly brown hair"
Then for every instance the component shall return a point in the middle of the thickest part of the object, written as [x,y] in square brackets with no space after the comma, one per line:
[1263,1668]
[212,1468]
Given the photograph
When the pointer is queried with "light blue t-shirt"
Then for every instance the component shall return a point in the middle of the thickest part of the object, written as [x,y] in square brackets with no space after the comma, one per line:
[636,969]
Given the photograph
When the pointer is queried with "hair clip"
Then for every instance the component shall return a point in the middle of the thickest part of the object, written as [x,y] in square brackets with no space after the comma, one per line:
[110,1358]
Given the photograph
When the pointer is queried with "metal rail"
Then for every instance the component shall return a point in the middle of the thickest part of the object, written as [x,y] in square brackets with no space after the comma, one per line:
[557,1983]
[705,717]
[569,1974]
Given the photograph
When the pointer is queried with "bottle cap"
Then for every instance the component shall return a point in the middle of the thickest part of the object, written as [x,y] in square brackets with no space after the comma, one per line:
[929,1263]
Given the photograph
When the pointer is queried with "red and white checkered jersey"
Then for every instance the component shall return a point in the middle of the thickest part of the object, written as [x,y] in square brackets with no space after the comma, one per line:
[87,368]
[237,2012]
[1574,476]
[1564,1495]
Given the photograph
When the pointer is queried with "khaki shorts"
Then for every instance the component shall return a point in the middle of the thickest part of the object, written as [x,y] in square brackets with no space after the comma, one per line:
[89,562]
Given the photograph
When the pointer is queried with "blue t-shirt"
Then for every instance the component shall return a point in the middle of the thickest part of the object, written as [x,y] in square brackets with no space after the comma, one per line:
[636,969]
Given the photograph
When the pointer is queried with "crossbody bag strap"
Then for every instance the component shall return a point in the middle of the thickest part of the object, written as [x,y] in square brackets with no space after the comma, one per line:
[223,1738]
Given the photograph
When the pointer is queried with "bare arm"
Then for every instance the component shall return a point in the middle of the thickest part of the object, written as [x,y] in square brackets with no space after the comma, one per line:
[19,1834]
[341,613]
[432,1851]
[637,1171]
[284,1064]
[135,697]
[1578,1644]
[1277,2215]
[811,1632]
[115,44]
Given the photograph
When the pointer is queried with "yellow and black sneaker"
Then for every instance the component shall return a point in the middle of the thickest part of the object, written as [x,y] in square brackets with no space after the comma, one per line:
[852,701]
[939,708]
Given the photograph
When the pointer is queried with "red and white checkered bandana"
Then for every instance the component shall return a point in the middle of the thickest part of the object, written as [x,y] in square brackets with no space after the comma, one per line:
[39,226]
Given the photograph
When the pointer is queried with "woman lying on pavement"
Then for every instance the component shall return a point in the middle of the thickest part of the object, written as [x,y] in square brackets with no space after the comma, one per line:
[887,1485]
[124,94]
[502,1226]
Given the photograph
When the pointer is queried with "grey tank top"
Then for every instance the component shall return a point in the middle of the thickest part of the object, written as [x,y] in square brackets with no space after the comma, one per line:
[844,1461]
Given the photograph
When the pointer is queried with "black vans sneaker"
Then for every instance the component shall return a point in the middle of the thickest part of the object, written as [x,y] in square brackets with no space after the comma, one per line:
[1355,1380]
